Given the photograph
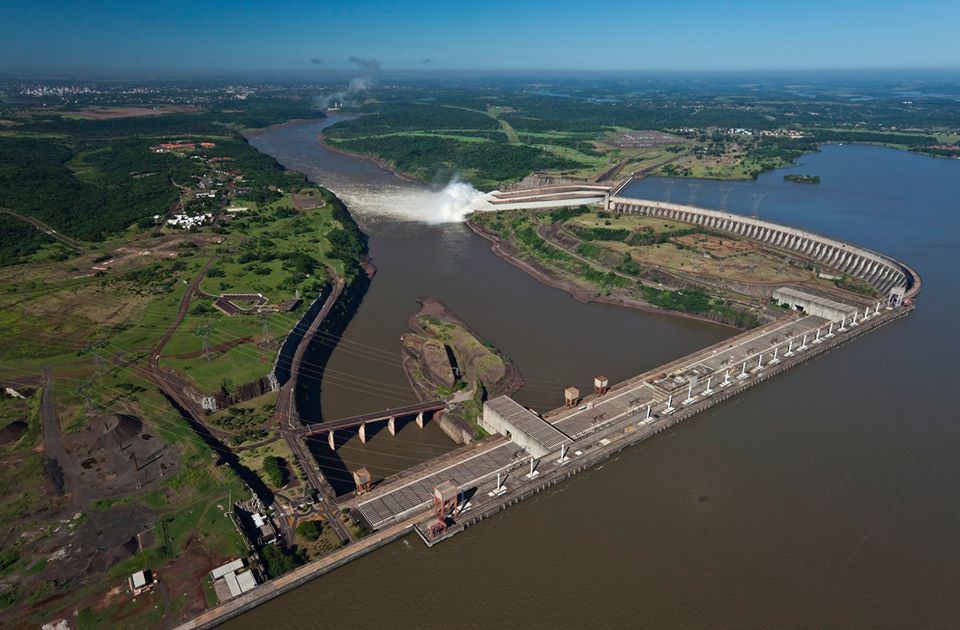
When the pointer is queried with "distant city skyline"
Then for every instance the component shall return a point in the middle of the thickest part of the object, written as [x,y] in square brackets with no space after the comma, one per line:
[370,36]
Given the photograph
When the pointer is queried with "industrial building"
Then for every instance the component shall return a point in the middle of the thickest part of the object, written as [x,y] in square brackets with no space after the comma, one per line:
[232,579]
[813,304]
[526,429]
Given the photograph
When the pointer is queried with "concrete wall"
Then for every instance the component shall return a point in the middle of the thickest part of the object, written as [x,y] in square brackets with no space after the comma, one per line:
[539,204]
[881,272]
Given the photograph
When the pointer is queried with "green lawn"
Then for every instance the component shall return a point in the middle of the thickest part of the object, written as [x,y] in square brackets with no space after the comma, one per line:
[238,365]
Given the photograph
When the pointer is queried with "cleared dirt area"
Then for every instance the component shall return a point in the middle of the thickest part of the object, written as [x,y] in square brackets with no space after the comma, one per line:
[115,456]
[642,139]
[107,113]
[717,247]
[145,251]
[752,267]
[627,222]
[698,253]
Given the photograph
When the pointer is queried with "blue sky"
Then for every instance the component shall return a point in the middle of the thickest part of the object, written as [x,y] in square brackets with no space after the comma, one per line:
[563,35]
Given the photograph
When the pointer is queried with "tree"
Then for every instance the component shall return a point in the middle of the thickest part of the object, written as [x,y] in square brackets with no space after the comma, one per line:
[279,561]
[310,530]
[276,470]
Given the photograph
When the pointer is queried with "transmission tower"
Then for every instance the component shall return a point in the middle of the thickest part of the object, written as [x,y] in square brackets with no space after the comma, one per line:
[85,390]
[203,332]
[265,325]
[98,372]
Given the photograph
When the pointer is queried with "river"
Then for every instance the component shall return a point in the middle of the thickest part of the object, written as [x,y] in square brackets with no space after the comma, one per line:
[827,497]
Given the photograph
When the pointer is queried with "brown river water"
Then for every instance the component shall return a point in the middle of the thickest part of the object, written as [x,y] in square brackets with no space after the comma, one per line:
[827,497]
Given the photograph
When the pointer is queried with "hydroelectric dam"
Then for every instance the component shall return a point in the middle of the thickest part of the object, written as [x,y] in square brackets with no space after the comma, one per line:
[528,452]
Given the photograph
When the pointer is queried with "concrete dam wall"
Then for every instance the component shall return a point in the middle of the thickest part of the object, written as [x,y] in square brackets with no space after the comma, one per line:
[882,272]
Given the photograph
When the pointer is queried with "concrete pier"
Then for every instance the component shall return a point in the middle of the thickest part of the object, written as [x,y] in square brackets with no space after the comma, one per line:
[734,364]
[493,471]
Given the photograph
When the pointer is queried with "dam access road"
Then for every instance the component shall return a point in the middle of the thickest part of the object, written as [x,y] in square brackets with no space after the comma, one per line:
[532,452]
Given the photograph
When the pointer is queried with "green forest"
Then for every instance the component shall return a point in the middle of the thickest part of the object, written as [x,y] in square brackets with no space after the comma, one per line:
[93,179]
[487,164]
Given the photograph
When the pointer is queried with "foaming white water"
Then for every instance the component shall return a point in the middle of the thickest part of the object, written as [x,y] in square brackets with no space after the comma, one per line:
[452,204]
[455,202]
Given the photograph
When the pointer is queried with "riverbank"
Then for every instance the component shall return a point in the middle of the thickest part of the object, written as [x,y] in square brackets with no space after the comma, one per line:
[543,274]
[366,157]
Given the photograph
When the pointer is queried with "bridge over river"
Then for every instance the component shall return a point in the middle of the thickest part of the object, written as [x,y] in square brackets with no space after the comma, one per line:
[390,416]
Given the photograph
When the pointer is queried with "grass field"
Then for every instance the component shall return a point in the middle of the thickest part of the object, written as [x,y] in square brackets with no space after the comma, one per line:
[253,459]
[327,542]
[752,267]
[276,253]
[627,221]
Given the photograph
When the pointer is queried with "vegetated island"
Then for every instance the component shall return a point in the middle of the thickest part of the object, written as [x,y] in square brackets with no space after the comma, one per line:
[443,358]
[802,179]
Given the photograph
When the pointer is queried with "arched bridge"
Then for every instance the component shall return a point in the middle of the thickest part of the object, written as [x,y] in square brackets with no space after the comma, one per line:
[389,416]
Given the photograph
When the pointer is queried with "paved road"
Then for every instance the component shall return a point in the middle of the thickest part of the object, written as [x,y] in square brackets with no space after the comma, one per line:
[46,229]
[288,419]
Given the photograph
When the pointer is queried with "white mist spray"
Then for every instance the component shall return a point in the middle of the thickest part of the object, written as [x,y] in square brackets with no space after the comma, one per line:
[452,204]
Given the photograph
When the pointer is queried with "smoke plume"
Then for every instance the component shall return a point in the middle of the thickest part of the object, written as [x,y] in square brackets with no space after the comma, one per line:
[317,61]
[357,86]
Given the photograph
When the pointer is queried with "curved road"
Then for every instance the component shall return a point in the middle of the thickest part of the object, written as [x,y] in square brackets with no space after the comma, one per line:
[288,420]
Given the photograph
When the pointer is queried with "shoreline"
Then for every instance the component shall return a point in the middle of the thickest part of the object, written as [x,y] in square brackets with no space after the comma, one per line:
[456,419]
[577,293]
[378,162]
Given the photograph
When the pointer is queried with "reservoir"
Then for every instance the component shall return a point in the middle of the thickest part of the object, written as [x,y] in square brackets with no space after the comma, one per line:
[829,496]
